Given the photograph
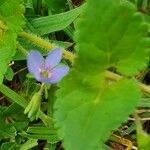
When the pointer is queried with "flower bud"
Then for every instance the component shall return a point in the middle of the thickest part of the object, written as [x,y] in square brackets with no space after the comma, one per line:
[34,106]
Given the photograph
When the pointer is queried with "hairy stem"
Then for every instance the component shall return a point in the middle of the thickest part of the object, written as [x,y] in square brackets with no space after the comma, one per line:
[45,44]
[113,76]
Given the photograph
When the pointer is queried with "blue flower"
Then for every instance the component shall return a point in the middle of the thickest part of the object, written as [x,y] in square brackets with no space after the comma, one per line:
[47,70]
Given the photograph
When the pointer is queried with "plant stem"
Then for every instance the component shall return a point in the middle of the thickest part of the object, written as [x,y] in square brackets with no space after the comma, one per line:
[122,141]
[113,76]
[41,89]
[46,119]
[45,44]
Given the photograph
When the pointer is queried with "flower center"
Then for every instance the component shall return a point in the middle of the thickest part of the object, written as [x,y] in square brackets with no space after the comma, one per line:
[45,71]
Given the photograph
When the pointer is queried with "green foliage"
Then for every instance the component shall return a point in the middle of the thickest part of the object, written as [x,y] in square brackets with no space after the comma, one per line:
[119,36]
[9,129]
[16,129]
[6,130]
[8,145]
[109,35]
[81,115]
[9,74]
[11,22]
[14,97]
[42,133]
[29,144]
[57,22]
[13,146]
[88,106]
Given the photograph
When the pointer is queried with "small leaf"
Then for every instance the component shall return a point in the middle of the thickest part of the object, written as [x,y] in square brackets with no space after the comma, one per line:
[52,138]
[29,144]
[41,130]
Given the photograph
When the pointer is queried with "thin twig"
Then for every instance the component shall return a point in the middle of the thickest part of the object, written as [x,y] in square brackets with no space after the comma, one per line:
[1,98]
[142,111]
[116,77]
[141,119]
[123,141]
[20,71]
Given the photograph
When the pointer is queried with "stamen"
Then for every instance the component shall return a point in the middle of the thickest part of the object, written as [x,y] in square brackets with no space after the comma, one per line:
[45,71]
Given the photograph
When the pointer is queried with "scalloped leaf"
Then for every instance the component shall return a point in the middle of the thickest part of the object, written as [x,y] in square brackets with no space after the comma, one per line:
[118,32]
[11,22]
[88,106]
[86,115]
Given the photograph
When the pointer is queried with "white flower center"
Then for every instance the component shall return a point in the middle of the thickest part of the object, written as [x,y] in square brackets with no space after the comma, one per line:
[45,71]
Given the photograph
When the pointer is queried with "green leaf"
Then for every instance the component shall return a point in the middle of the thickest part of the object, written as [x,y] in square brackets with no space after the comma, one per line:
[8,146]
[13,95]
[52,138]
[7,50]
[20,121]
[57,22]
[43,133]
[9,74]
[11,22]
[117,32]
[29,144]
[18,99]
[41,130]
[12,110]
[88,106]
[12,14]
[6,130]
[86,116]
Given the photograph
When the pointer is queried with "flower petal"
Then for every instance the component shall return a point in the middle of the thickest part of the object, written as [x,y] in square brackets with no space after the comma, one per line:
[45,80]
[58,73]
[54,57]
[34,62]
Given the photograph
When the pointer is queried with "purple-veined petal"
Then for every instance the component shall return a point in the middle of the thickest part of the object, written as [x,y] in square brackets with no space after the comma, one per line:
[54,57]
[34,62]
[57,74]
